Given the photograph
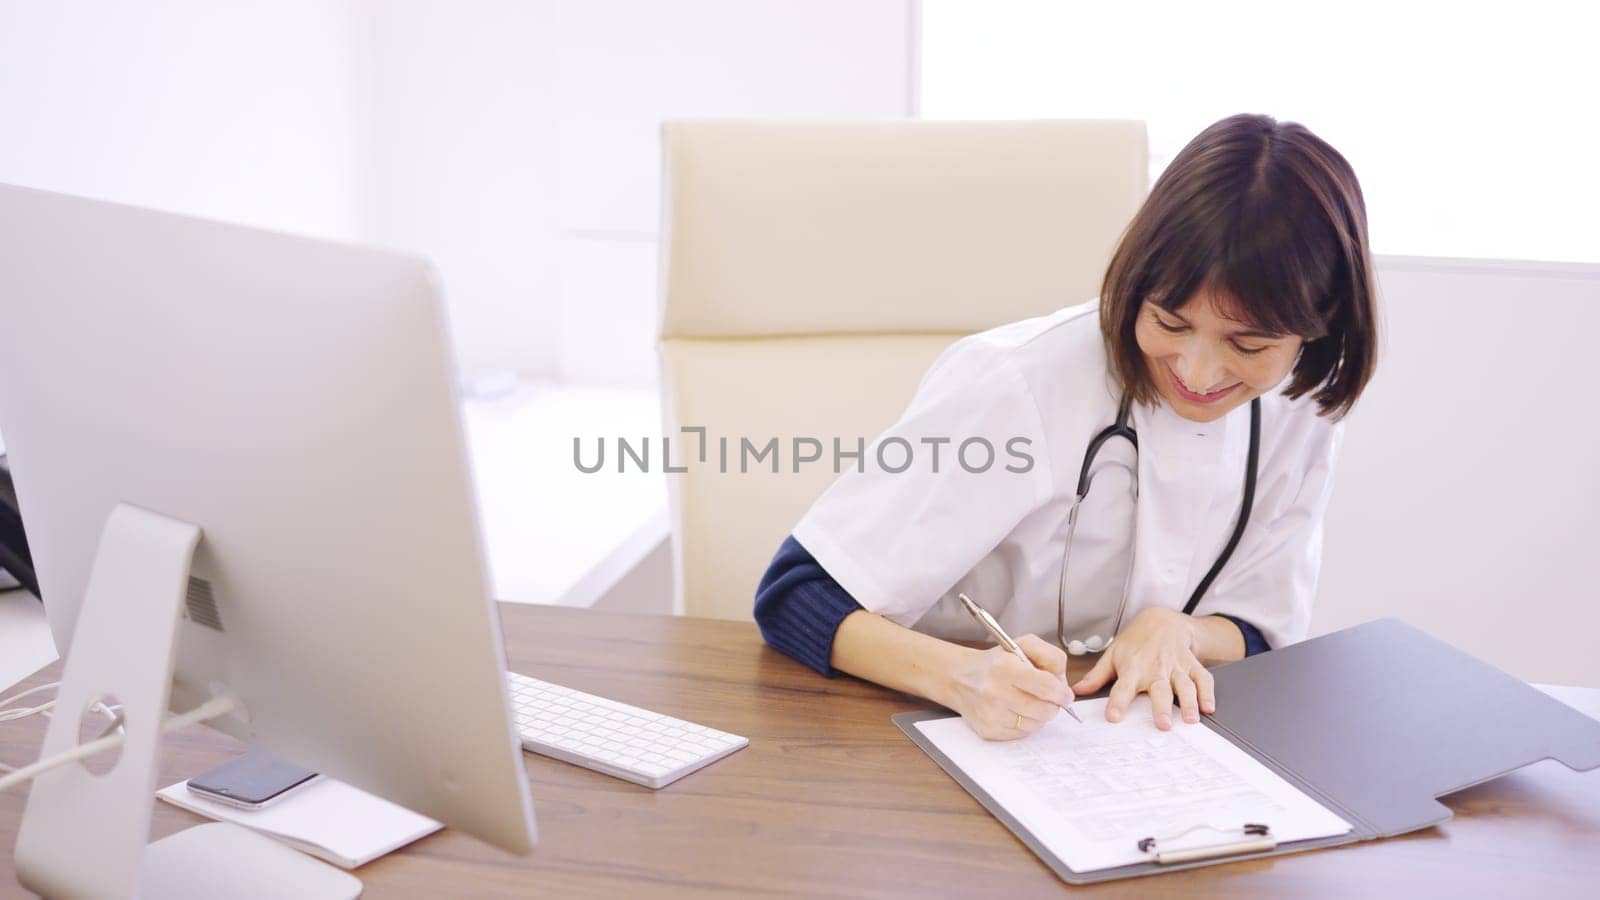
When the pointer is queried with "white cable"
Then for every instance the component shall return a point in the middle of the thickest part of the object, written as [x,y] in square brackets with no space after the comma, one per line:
[111,712]
[24,712]
[15,697]
[210,709]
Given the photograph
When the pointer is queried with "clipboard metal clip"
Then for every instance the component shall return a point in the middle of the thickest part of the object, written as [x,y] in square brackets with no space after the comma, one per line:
[1257,838]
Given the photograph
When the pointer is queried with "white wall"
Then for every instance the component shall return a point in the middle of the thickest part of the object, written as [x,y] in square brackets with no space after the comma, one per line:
[1468,488]
[464,135]
[513,142]
[518,148]
[235,111]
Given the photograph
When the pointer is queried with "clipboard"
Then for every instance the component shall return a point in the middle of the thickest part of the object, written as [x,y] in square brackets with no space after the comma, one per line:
[1376,722]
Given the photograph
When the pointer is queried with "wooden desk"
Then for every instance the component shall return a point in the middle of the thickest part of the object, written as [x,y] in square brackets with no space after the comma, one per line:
[830,799]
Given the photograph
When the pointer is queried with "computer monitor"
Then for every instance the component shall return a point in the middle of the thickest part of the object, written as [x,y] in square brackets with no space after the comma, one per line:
[294,400]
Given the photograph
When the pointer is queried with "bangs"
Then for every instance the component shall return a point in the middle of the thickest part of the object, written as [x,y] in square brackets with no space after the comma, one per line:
[1264,266]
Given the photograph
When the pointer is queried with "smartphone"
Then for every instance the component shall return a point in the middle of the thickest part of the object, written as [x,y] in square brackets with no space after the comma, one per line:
[252,781]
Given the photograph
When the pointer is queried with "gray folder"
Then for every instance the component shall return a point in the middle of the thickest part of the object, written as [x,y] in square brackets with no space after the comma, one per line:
[1376,722]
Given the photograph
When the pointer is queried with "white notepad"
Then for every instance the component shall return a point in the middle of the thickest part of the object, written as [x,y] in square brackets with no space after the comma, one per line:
[326,818]
[1089,792]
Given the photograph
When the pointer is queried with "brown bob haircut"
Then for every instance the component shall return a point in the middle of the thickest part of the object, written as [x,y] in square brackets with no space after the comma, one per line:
[1267,215]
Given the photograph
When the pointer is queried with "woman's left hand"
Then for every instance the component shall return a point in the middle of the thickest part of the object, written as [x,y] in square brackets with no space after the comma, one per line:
[1155,654]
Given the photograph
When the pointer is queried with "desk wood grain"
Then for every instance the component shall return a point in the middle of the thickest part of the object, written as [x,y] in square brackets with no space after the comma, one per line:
[830,799]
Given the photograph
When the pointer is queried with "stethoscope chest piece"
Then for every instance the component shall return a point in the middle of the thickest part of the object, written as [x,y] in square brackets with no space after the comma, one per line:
[1094,644]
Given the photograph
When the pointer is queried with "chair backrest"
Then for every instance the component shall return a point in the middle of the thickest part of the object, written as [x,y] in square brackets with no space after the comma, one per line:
[810,273]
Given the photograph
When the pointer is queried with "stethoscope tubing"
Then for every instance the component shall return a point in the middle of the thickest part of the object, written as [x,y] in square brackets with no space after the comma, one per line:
[1245,506]
[1121,428]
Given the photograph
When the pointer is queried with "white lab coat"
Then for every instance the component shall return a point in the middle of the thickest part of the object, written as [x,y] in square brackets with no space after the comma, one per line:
[903,544]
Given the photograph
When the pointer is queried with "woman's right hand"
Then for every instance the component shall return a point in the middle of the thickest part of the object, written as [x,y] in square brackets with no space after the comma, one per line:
[992,688]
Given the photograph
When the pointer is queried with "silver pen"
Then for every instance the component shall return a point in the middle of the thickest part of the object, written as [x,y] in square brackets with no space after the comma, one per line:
[1003,639]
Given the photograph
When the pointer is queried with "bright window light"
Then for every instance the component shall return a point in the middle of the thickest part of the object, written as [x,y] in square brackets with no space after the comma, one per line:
[1474,128]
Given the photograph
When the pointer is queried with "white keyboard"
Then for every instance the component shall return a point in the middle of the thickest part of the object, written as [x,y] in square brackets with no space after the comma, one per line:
[614,738]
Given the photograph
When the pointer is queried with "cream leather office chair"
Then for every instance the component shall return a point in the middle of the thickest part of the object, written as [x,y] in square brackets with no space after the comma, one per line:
[810,273]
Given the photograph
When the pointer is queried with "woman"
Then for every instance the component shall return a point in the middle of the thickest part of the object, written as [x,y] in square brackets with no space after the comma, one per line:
[1236,327]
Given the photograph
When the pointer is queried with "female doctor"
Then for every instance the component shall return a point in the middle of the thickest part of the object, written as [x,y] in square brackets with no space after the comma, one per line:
[1162,461]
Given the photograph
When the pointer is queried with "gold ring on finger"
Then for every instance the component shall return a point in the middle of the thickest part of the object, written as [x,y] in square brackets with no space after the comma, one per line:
[1018,726]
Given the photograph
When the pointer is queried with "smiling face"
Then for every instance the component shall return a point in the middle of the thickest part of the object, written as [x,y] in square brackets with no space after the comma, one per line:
[1204,364]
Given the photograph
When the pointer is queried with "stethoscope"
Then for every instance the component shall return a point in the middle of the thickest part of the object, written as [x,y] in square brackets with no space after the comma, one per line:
[1121,429]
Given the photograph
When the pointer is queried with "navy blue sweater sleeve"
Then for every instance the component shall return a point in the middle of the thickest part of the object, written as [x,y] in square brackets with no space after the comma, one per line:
[1253,641]
[799,606]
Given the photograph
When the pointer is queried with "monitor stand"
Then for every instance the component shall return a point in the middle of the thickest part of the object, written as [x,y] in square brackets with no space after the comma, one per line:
[83,835]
